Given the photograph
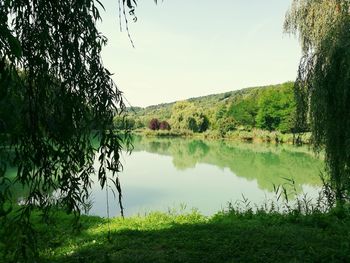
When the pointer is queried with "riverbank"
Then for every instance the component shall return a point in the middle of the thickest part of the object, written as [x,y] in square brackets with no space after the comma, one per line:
[254,136]
[191,237]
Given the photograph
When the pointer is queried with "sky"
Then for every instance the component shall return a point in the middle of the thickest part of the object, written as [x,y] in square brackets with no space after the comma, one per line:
[187,49]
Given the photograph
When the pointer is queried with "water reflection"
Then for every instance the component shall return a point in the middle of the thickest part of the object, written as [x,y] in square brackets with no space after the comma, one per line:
[268,164]
[164,173]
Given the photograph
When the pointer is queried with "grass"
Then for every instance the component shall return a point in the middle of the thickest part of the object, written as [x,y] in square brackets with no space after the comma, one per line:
[225,237]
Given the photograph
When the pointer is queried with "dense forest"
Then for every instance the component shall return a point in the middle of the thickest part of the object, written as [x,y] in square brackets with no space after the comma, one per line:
[269,108]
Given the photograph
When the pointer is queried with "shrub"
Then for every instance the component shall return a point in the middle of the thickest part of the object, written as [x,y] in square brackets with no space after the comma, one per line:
[154,124]
[164,125]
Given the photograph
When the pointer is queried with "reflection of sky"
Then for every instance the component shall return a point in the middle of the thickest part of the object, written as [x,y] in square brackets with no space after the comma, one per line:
[151,182]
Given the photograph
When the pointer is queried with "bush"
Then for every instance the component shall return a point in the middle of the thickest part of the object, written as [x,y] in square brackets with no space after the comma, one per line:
[154,124]
[164,125]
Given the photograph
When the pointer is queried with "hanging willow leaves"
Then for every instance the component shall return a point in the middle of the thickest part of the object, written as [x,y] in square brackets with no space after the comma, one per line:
[322,88]
[51,72]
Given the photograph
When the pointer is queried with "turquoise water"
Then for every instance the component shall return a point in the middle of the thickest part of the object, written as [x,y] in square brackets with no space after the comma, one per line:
[163,174]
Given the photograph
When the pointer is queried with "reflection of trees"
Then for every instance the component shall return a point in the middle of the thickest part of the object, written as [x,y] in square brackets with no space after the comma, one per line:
[268,168]
[267,164]
[154,146]
[198,147]
[188,153]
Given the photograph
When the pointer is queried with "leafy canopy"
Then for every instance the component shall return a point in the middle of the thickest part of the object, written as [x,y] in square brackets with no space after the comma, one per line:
[186,116]
[277,110]
[322,87]
[51,73]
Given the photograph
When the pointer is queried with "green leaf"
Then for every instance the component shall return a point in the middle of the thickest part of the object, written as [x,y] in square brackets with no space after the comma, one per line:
[15,46]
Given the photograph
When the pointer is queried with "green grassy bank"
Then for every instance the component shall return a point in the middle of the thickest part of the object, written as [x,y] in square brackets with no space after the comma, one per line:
[224,237]
[255,135]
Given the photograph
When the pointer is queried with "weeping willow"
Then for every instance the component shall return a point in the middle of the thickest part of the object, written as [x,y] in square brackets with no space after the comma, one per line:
[322,88]
[52,73]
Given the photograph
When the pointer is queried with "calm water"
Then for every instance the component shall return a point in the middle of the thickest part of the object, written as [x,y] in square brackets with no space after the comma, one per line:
[163,174]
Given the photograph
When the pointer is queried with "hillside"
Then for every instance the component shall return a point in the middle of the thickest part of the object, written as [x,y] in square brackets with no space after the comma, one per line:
[207,101]
[267,107]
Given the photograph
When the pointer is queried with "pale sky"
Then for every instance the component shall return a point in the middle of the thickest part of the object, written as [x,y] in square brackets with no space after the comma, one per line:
[191,48]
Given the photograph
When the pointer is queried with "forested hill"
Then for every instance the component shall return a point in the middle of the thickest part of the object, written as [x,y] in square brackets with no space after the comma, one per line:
[268,107]
[203,101]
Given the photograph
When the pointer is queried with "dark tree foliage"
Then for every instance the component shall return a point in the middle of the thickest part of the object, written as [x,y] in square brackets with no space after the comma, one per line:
[322,87]
[52,74]
[164,125]
[123,123]
[198,122]
[154,124]
[192,124]
[203,124]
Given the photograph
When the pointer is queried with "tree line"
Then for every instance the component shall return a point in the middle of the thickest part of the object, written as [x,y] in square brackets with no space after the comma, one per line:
[269,108]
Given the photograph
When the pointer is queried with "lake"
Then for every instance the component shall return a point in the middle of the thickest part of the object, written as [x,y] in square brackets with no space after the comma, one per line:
[172,174]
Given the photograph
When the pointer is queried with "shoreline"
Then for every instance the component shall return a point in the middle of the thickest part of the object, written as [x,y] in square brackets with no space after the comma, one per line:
[253,136]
